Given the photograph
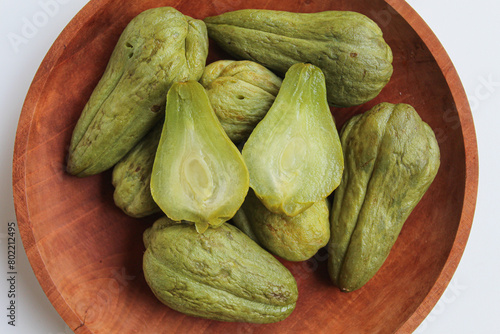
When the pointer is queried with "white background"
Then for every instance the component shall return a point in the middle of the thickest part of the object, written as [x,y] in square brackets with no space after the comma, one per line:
[469,31]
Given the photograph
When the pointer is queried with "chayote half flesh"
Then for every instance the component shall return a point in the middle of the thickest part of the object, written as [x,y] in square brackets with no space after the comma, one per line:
[294,155]
[198,173]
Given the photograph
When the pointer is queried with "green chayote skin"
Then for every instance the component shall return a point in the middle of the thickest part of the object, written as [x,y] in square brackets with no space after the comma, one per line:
[220,274]
[157,48]
[198,173]
[391,158]
[347,46]
[132,177]
[241,93]
[294,155]
[158,225]
[291,238]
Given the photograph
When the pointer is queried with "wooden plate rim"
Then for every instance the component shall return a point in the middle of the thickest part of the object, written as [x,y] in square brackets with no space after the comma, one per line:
[471,162]
[413,19]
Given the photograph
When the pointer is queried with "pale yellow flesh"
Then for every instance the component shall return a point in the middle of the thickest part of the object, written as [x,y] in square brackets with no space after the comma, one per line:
[294,154]
[198,174]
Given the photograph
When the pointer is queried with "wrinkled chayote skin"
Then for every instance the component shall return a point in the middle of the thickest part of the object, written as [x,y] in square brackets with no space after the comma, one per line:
[220,274]
[241,93]
[158,47]
[198,173]
[294,155]
[347,46]
[158,225]
[391,158]
[132,177]
[291,238]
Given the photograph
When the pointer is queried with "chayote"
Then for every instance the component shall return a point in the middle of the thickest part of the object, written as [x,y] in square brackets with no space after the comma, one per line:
[220,274]
[198,173]
[291,238]
[158,47]
[158,225]
[294,155]
[347,46]
[391,158]
[241,93]
[132,177]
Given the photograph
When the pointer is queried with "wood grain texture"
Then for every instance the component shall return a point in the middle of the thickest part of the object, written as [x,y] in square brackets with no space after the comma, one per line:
[87,254]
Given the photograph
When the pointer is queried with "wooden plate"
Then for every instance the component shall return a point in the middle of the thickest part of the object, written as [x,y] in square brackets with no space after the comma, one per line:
[87,254]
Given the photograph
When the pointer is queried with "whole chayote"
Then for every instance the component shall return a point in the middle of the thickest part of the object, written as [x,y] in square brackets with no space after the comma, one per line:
[241,93]
[132,177]
[220,274]
[391,158]
[157,48]
[291,238]
[347,46]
